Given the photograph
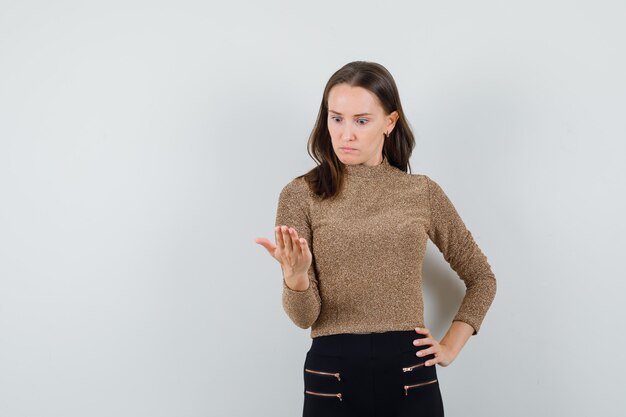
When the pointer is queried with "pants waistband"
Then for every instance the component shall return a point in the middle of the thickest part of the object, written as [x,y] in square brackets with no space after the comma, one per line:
[366,345]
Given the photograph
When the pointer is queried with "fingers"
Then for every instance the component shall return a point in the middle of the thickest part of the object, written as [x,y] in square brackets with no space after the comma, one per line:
[292,239]
[423,341]
[285,238]
[434,350]
[288,240]
[298,243]
[267,244]
[303,244]
[427,340]
[428,351]
[431,362]
[278,236]
[422,330]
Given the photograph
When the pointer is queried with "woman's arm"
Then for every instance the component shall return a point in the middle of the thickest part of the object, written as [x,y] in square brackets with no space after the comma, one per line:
[302,304]
[459,248]
[456,337]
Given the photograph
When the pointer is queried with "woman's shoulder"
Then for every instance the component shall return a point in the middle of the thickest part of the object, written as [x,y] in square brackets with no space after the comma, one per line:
[422,178]
[411,178]
[296,188]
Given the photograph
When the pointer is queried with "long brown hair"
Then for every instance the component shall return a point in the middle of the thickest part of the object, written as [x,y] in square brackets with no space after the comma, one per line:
[326,179]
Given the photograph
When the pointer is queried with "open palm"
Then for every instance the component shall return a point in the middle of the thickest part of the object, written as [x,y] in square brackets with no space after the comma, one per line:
[292,252]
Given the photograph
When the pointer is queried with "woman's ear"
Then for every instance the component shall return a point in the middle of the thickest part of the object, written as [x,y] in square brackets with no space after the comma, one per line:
[393,118]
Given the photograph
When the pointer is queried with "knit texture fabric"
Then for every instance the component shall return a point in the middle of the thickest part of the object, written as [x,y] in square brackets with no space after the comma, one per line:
[368,246]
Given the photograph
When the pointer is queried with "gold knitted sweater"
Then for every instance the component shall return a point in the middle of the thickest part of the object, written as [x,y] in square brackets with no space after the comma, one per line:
[368,246]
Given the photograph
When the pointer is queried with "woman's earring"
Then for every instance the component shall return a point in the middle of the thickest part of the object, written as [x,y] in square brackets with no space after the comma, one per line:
[386,135]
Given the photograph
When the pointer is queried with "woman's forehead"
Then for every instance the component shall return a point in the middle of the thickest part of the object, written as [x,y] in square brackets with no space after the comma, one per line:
[352,101]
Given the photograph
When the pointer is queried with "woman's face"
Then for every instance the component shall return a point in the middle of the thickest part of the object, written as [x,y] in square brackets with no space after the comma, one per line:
[357,122]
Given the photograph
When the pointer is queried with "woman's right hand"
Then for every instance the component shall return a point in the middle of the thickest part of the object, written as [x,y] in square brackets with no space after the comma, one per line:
[293,254]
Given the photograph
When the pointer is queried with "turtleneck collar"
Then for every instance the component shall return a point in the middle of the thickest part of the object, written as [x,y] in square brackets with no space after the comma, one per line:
[367,171]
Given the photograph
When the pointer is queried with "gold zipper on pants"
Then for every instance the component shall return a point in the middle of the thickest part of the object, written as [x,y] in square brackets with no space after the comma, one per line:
[410,368]
[335,374]
[338,395]
[406,387]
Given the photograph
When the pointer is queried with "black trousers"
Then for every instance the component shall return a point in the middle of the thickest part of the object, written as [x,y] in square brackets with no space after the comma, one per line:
[370,375]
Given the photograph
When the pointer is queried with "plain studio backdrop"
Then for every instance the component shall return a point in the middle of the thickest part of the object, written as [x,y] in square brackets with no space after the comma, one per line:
[144,144]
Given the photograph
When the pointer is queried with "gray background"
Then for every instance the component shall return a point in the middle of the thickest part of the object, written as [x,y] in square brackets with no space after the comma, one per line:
[144,144]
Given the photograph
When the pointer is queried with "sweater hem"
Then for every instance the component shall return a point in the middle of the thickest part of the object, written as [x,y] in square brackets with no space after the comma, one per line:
[366,329]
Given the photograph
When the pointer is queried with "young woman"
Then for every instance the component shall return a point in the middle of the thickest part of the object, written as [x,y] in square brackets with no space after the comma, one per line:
[351,236]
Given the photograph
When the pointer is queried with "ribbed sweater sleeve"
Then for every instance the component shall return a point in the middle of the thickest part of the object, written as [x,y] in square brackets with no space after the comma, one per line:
[449,233]
[302,307]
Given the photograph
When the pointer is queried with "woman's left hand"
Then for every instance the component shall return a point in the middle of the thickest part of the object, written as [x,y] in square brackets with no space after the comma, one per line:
[443,354]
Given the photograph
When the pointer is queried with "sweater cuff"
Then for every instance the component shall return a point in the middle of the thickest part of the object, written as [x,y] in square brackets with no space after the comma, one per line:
[296,293]
[302,307]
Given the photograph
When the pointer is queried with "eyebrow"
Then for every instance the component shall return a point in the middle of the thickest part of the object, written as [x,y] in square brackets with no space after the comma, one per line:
[360,114]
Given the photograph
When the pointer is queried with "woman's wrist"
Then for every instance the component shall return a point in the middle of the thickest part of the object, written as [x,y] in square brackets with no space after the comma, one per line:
[456,337]
[297,282]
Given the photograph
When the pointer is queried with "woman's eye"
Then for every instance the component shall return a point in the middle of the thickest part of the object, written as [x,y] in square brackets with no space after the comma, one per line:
[359,121]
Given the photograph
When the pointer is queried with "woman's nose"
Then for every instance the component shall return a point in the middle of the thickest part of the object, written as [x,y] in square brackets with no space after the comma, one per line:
[347,133]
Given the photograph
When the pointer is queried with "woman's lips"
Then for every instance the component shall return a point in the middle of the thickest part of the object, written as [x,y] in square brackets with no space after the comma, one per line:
[348,149]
